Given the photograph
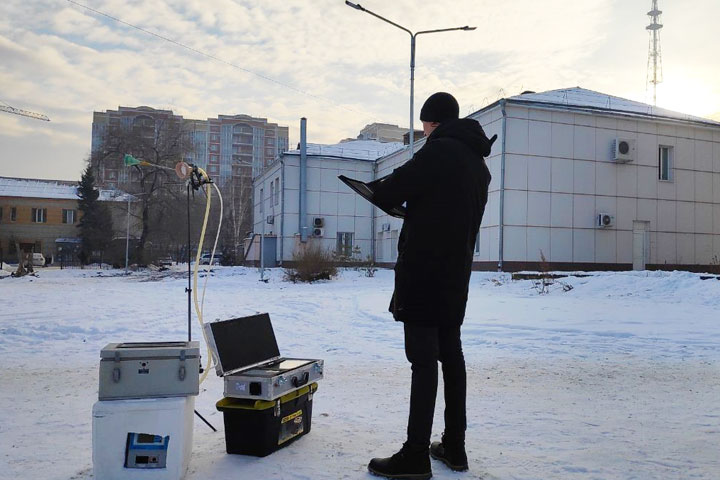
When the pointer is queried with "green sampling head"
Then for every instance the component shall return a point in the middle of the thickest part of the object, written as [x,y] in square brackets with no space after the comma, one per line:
[130,160]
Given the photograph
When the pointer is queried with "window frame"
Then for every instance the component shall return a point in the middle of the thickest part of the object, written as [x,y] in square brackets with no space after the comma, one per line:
[65,212]
[38,215]
[344,249]
[670,154]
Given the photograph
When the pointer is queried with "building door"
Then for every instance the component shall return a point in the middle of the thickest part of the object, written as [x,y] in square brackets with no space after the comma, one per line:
[269,252]
[641,244]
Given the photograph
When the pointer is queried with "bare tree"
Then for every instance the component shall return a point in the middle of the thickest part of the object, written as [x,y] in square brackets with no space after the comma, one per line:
[162,142]
[237,195]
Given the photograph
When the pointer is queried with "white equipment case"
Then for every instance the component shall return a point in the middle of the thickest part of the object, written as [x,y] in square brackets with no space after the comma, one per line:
[149,370]
[248,358]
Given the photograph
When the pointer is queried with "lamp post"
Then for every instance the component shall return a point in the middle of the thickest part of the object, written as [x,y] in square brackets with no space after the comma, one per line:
[357,6]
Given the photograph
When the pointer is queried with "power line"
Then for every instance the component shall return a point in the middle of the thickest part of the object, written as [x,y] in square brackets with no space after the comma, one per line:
[217,59]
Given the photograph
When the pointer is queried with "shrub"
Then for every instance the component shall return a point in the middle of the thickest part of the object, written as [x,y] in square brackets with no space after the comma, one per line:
[310,264]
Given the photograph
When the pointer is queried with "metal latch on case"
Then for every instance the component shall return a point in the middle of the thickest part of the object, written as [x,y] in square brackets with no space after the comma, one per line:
[116,370]
[182,372]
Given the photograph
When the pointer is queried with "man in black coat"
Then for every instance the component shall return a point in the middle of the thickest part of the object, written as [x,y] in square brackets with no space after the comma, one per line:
[444,188]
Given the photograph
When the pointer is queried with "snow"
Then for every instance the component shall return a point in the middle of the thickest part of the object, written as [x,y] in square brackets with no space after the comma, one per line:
[53,189]
[581,97]
[617,378]
[355,149]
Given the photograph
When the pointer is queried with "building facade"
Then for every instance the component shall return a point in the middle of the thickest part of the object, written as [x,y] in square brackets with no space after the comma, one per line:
[586,180]
[42,216]
[227,147]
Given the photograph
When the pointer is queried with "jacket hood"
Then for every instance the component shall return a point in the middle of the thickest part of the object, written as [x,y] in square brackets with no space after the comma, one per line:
[468,131]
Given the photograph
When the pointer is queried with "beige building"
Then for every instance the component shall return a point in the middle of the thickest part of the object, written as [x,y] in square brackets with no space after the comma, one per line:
[42,216]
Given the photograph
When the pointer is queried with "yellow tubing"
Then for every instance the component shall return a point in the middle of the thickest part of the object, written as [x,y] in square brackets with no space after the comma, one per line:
[198,310]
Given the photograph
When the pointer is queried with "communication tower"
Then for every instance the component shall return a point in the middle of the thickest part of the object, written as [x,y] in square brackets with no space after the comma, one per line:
[654,68]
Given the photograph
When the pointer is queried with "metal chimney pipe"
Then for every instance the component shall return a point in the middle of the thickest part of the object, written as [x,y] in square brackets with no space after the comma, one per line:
[303,181]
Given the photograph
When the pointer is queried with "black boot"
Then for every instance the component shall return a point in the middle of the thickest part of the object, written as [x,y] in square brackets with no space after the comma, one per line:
[407,464]
[451,453]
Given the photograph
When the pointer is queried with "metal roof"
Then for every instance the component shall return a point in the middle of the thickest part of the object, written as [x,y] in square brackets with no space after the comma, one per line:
[578,98]
[55,189]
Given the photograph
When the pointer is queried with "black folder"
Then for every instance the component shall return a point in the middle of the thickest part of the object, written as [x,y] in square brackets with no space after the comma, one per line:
[366,191]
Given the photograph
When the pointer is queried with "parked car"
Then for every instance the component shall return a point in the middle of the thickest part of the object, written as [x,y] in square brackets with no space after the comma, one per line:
[205,259]
[165,261]
[38,260]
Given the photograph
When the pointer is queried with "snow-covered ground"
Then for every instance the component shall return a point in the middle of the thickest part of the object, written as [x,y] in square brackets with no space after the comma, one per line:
[618,378]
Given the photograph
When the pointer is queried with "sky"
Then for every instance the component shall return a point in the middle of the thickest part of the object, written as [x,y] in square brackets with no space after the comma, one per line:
[338,67]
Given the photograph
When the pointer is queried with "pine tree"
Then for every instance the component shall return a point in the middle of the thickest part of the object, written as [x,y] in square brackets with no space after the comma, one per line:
[95,223]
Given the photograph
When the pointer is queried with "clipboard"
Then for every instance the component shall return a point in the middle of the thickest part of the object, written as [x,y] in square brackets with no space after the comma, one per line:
[366,191]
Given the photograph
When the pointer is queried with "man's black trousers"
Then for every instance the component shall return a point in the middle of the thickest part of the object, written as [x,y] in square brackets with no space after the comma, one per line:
[424,347]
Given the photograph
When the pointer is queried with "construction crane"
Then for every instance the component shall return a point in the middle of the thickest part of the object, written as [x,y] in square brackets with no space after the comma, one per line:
[37,116]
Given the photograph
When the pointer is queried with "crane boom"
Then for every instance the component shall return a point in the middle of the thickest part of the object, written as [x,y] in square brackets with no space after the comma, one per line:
[24,113]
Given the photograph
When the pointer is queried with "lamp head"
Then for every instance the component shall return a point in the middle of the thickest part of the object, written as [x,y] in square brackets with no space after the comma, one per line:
[356,6]
[467,29]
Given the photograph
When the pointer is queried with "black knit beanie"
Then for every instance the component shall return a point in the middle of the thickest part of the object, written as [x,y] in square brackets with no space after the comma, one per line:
[440,107]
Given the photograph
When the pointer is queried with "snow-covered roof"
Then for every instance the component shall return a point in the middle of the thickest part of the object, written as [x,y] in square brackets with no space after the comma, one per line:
[581,98]
[54,189]
[354,150]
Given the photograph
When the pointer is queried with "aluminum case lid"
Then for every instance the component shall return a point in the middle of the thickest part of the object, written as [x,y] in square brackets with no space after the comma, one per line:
[129,350]
[241,343]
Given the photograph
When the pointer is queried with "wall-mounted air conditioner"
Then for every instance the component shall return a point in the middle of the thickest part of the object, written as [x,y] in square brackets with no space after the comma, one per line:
[271,219]
[318,222]
[623,150]
[318,232]
[385,227]
[605,220]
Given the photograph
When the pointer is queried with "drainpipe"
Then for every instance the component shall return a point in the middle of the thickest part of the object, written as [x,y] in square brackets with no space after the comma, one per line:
[282,206]
[303,181]
[502,186]
[373,215]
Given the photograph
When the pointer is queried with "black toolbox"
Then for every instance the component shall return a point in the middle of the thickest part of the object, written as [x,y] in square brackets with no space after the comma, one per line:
[260,427]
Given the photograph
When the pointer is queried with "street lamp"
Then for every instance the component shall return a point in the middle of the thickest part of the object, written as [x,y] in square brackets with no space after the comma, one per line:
[357,6]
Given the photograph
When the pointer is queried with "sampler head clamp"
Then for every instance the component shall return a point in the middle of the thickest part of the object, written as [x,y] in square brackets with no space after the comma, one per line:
[191,173]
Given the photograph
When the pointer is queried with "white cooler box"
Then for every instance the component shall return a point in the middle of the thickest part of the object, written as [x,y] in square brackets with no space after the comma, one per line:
[143,439]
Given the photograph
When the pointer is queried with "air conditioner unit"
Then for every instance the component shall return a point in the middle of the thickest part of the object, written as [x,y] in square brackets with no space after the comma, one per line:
[623,150]
[271,219]
[318,222]
[605,220]
[385,227]
[318,232]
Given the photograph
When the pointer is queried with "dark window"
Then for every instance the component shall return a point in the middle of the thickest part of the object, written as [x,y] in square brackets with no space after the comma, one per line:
[68,216]
[13,214]
[345,244]
[39,215]
[665,163]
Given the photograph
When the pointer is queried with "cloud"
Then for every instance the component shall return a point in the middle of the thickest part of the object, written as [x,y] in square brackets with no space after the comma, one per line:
[351,69]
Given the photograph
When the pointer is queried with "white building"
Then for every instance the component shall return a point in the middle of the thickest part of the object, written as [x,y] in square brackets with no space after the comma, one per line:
[336,217]
[560,162]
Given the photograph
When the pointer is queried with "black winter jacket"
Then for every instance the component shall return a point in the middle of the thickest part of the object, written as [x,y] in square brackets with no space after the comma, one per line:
[445,187]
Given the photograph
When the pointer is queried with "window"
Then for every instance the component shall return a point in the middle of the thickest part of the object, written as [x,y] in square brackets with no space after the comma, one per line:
[13,214]
[665,163]
[277,191]
[272,191]
[68,216]
[1,209]
[345,244]
[39,215]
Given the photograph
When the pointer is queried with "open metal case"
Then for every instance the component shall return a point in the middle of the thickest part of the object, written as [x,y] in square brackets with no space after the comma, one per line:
[248,358]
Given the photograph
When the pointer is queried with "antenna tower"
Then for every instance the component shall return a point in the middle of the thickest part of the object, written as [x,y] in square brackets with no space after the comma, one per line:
[654,55]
